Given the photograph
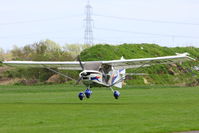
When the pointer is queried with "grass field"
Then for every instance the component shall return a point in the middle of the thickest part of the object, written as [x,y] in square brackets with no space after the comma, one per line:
[56,109]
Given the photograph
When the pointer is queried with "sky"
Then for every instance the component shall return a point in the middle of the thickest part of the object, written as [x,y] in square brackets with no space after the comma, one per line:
[165,22]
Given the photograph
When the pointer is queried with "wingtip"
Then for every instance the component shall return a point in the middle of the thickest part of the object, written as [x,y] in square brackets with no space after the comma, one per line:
[186,55]
[183,54]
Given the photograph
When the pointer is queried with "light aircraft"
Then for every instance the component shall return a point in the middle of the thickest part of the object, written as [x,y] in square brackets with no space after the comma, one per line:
[101,73]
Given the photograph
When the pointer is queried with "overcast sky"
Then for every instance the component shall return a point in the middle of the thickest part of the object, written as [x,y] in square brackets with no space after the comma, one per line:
[165,22]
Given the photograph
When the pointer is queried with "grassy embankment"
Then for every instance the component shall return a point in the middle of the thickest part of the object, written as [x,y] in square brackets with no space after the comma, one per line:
[181,75]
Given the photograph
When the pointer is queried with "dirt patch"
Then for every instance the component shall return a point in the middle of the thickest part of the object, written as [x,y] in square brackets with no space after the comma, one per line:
[28,82]
[8,81]
[3,69]
[56,79]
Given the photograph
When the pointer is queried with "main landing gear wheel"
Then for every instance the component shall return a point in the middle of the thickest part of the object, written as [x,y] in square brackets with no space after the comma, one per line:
[81,95]
[116,94]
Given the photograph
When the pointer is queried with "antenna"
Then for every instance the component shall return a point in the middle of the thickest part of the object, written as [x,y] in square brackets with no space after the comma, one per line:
[88,35]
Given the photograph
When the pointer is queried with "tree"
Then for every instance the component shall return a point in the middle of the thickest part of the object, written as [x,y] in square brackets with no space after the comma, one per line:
[46,50]
[75,49]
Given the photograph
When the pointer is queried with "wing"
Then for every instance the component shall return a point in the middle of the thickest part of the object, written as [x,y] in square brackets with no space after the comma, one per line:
[117,64]
[144,62]
[73,65]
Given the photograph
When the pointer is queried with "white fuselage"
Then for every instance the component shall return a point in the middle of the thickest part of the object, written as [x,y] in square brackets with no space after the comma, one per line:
[91,76]
[96,78]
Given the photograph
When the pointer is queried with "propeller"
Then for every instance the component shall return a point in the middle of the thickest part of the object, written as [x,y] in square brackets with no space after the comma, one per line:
[80,63]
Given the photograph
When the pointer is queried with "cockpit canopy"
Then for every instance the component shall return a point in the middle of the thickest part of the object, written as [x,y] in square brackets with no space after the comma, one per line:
[92,66]
[97,66]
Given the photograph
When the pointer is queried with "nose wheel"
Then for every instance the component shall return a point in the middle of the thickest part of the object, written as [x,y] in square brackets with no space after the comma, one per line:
[87,93]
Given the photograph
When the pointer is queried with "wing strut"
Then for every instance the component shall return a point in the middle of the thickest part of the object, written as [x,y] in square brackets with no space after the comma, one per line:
[60,73]
[141,66]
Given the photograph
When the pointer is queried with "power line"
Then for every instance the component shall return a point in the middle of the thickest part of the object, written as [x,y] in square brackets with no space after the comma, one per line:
[103,41]
[146,33]
[148,20]
[38,33]
[38,20]
[98,15]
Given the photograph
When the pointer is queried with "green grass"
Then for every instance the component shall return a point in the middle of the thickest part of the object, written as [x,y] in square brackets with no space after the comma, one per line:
[56,109]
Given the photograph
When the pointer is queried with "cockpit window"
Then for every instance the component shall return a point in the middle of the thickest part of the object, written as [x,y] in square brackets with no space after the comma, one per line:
[92,66]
